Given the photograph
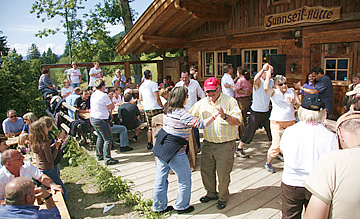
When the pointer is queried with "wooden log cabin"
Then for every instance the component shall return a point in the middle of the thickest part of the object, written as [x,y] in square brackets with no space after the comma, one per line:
[294,35]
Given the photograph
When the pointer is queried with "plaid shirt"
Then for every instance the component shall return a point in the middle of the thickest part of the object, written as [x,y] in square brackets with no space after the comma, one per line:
[220,130]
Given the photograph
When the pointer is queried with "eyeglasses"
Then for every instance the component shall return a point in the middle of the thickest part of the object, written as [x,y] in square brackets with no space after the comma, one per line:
[210,91]
[285,83]
[12,116]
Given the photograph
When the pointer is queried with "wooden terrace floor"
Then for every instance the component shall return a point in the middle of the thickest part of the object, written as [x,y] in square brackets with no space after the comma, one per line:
[255,193]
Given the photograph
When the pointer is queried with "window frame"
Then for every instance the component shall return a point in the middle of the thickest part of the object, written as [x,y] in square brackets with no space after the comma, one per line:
[337,69]
[260,59]
[216,64]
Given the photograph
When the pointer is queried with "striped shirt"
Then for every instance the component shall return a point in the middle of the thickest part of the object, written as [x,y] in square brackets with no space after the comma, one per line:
[179,123]
[219,131]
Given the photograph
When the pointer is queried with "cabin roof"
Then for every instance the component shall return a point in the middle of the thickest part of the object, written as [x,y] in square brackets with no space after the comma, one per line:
[167,25]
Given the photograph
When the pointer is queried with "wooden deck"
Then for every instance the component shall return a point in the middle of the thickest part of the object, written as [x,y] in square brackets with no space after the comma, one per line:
[255,193]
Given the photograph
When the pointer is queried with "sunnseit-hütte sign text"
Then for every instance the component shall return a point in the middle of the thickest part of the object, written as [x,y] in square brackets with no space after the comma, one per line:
[302,15]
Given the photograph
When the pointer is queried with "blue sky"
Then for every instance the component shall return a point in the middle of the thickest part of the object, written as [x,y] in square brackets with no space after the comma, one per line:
[20,26]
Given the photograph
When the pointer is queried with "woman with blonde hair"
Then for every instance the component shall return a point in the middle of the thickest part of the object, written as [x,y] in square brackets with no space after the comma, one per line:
[28,119]
[282,115]
[40,145]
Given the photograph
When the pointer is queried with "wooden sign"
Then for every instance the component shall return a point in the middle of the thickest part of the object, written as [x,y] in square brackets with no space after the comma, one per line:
[302,15]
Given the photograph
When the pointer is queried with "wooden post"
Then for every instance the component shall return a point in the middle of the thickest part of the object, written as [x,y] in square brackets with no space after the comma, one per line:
[160,69]
[306,57]
[127,69]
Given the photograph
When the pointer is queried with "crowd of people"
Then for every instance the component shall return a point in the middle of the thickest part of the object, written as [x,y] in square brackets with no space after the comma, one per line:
[316,174]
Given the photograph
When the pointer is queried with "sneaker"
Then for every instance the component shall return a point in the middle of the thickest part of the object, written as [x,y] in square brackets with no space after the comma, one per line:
[149,146]
[188,210]
[117,142]
[127,148]
[240,153]
[133,139]
[280,157]
[100,159]
[221,205]
[111,162]
[269,168]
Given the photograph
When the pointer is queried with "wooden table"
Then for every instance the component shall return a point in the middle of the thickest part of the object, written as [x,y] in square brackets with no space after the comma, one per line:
[12,141]
[60,204]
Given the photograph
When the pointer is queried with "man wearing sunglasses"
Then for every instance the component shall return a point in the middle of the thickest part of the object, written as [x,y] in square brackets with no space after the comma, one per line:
[219,144]
[13,125]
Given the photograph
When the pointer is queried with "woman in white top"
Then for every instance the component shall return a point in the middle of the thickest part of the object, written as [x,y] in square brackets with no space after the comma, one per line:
[116,99]
[282,114]
[94,73]
[66,90]
[101,106]
[303,144]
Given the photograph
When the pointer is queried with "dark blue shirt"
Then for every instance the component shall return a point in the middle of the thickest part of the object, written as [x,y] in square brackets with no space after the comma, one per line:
[28,211]
[325,88]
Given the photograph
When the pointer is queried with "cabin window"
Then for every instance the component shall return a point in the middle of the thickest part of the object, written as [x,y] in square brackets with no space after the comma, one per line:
[254,59]
[214,63]
[337,68]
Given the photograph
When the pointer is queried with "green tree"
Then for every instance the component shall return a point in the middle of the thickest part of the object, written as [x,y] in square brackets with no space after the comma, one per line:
[49,57]
[67,10]
[20,90]
[4,49]
[33,52]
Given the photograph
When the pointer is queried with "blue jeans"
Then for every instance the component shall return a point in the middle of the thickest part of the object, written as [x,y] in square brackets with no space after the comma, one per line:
[55,177]
[120,129]
[75,85]
[104,138]
[181,167]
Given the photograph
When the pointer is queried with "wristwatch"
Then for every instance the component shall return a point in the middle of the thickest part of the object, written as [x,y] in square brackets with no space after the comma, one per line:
[226,116]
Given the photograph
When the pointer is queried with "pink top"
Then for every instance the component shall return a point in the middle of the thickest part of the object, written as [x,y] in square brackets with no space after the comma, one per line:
[242,84]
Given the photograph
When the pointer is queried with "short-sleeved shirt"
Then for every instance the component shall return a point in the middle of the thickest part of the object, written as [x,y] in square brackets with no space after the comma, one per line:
[325,88]
[98,105]
[122,78]
[282,110]
[65,90]
[28,211]
[128,113]
[44,82]
[93,78]
[226,79]
[220,130]
[242,84]
[74,75]
[25,128]
[28,170]
[147,90]
[71,101]
[302,146]
[336,181]
[10,127]
[194,90]
[81,104]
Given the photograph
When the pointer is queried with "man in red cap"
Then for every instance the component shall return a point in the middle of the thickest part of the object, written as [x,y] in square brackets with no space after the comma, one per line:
[219,144]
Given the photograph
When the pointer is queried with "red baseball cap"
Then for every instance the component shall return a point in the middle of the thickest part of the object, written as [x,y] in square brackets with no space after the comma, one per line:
[211,83]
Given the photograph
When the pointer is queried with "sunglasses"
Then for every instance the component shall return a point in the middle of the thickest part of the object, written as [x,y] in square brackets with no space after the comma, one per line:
[210,91]
[12,116]
[285,83]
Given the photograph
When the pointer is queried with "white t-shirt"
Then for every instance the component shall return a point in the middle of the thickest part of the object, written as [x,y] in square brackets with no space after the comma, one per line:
[226,79]
[92,79]
[74,75]
[117,100]
[194,90]
[282,110]
[28,170]
[65,90]
[98,105]
[302,146]
[147,90]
